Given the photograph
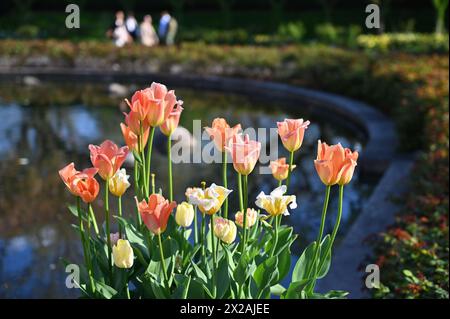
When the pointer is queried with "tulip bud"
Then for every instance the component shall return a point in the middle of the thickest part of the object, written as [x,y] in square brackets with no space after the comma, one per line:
[123,254]
[184,214]
[118,184]
[225,230]
[252,215]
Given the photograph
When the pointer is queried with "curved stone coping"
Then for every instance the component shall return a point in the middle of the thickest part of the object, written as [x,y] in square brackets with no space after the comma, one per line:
[380,131]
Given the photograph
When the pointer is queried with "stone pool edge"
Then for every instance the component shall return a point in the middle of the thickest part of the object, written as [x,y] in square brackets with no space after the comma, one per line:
[379,156]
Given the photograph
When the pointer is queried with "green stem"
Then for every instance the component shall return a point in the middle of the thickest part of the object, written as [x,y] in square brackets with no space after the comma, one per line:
[245,209]
[336,225]
[169,159]
[241,201]
[120,215]
[163,262]
[108,237]
[94,220]
[88,246]
[144,189]
[275,243]
[83,244]
[203,235]
[322,226]
[128,289]
[291,161]
[225,182]
[137,190]
[213,247]
[195,225]
[149,157]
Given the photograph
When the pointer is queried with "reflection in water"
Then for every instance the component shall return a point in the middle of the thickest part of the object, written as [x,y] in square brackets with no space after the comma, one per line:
[45,127]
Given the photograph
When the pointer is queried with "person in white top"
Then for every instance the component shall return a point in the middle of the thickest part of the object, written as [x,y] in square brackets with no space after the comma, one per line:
[132,25]
[148,34]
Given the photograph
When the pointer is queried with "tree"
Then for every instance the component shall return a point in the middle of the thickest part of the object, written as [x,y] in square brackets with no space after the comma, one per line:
[441,7]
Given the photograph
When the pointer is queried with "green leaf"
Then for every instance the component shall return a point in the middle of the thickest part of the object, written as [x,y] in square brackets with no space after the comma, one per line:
[284,263]
[324,260]
[303,263]
[183,283]
[336,294]
[137,157]
[106,291]
[158,289]
[223,278]
[266,274]
[74,211]
[295,289]
[277,290]
[199,273]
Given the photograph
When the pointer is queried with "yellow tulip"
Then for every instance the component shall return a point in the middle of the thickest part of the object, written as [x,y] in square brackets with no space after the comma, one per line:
[210,200]
[276,203]
[184,214]
[225,230]
[123,254]
[118,184]
[252,215]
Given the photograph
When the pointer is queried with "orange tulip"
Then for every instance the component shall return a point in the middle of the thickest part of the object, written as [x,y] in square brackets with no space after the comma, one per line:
[70,176]
[132,139]
[280,169]
[292,132]
[133,122]
[87,188]
[221,133]
[155,212]
[140,104]
[108,158]
[244,152]
[171,123]
[335,164]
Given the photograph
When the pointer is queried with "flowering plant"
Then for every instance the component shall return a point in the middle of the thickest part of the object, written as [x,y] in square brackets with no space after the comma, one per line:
[199,252]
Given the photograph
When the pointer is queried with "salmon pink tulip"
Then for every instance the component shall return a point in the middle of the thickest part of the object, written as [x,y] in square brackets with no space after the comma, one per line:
[155,212]
[171,123]
[335,164]
[108,158]
[280,169]
[132,139]
[221,133]
[292,132]
[244,152]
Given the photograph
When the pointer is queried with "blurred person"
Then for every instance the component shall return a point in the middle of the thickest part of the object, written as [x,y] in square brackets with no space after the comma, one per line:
[132,25]
[121,35]
[119,20]
[172,32]
[148,34]
[164,26]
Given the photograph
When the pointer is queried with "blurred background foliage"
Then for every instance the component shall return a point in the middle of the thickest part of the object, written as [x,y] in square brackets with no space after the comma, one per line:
[263,22]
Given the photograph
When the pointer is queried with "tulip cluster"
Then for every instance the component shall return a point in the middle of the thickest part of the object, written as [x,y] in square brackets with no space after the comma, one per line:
[169,255]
